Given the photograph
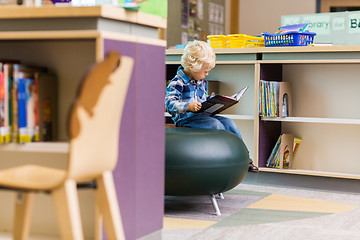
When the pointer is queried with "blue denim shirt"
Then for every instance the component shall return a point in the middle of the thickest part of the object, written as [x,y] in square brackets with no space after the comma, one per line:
[180,92]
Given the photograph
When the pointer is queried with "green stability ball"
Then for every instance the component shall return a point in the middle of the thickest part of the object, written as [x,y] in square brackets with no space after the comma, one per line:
[203,161]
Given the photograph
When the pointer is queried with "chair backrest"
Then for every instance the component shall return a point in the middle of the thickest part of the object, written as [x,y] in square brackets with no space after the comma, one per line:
[95,118]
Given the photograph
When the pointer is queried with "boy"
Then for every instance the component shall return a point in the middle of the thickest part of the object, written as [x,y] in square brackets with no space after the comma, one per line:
[187,90]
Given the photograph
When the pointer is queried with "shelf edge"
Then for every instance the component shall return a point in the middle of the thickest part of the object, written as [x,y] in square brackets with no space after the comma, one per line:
[313,120]
[39,147]
[310,173]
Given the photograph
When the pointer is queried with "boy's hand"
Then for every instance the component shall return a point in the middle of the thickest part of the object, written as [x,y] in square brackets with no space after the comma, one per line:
[193,107]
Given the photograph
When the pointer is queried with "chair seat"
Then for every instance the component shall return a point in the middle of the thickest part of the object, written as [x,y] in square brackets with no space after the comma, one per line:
[31,177]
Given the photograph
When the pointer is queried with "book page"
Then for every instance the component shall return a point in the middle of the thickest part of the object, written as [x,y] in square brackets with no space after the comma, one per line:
[239,94]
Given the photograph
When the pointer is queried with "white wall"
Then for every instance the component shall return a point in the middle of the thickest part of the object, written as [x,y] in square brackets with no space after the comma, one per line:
[227,16]
[257,16]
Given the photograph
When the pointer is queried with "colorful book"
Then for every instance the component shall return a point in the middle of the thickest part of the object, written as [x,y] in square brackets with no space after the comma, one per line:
[283,153]
[6,86]
[297,142]
[271,100]
[28,103]
[23,123]
[271,160]
[22,118]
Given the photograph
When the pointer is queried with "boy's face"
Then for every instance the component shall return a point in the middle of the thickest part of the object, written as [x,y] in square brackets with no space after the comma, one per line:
[200,74]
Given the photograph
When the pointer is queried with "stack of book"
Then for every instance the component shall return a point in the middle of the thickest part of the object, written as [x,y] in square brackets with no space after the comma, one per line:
[274,99]
[283,152]
[28,99]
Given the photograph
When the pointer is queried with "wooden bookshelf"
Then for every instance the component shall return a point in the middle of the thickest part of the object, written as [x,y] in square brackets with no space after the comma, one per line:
[324,86]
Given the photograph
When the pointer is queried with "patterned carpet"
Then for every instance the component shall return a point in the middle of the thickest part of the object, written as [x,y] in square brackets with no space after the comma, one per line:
[259,212]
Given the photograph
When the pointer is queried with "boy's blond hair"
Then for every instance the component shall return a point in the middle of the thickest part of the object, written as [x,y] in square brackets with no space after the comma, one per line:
[198,55]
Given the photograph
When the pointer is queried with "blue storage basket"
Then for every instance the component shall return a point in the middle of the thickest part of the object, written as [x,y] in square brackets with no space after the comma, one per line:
[292,38]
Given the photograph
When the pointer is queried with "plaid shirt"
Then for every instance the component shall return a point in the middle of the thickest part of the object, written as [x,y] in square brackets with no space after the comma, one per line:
[180,92]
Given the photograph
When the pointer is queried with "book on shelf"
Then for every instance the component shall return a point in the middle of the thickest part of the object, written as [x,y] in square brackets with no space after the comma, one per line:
[27,103]
[275,99]
[46,107]
[23,105]
[219,103]
[6,76]
[283,153]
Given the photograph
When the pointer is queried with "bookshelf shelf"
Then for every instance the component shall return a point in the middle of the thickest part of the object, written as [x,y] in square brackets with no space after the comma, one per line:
[310,173]
[238,117]
[39,147]
[313,61]
[314,120]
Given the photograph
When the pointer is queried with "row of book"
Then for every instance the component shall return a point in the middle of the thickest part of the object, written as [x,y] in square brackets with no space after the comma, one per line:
[28,99]
[274,99]
[283,153]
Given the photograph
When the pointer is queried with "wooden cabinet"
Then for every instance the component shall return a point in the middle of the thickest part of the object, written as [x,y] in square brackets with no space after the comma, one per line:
[325,82]
[68,40]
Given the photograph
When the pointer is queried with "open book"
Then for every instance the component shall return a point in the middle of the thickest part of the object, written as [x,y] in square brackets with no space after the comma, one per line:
[219,103]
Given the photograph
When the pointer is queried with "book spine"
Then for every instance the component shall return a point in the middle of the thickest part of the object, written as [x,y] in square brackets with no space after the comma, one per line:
[276,97]
[260,99]
[7,104]
[30,106]
[267,96]
[14,108]
[271,158]
[22,112]
[36,108]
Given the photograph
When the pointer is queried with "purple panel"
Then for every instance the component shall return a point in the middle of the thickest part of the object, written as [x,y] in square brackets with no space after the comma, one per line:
[139,175]
[150,138]
[125,171]
[269,132]
[271,72]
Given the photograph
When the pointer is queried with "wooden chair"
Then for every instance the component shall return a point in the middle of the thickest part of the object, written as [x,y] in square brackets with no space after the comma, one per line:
[94,125]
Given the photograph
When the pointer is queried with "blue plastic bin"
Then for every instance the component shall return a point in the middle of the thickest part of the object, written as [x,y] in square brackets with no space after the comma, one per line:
[292,38]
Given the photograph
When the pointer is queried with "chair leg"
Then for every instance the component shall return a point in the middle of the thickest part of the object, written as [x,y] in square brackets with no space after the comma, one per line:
[98,223]
[216,207]
[106,199]
[68,211]
[23,211]
[221,196]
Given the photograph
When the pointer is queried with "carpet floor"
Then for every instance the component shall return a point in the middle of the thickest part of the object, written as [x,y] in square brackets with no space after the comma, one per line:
[261,212]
